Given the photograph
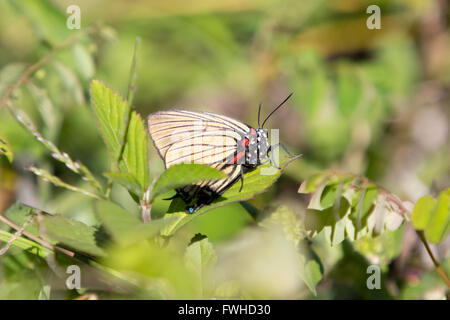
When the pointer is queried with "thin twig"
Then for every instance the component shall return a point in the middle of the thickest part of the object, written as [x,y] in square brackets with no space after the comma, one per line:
[35,238]
[436,263]
[15,236]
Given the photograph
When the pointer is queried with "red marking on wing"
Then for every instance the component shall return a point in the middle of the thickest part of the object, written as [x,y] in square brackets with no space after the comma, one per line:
[252,131]
[244,142]
[238,156]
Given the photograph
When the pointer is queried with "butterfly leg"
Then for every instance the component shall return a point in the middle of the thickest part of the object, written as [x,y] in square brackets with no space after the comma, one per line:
[272,147]
[242,178]
[272,159]
[284,148]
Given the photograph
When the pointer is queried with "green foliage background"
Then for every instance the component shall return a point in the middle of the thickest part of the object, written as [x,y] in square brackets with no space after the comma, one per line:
[367,103]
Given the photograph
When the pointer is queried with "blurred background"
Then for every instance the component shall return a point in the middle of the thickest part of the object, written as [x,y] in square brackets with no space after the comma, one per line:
[370,102]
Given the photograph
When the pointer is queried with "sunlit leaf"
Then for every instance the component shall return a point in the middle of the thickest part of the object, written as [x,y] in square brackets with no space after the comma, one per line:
[135,159]
[112,113]
[421,212]
[437,225]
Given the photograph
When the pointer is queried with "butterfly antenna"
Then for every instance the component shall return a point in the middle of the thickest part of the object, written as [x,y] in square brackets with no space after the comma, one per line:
[279,106]
[259,113]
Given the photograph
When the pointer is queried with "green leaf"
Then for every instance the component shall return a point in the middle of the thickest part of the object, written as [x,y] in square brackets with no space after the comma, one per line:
[362,204]
[328,196]
[311,184]
[183,174]
[421,212]
[200,257]
[344,205]
[310,273]
[19,214]
[330,220]
[118,222]
[153,267]
[254,183]
[123,227]
[5,149]
[135,159]
[112,113]
[127,180]
[440,218]
[71,233]
[25,244]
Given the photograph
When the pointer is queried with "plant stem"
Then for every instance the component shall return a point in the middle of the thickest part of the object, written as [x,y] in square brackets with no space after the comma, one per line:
[15,236]
[145,212]
[146,205]
[35,238]
[438,267]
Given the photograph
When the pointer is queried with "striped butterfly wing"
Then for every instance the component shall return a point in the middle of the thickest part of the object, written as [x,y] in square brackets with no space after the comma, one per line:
[182,136]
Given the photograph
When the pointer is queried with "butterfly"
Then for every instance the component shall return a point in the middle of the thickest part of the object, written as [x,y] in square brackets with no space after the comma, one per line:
[226,144]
